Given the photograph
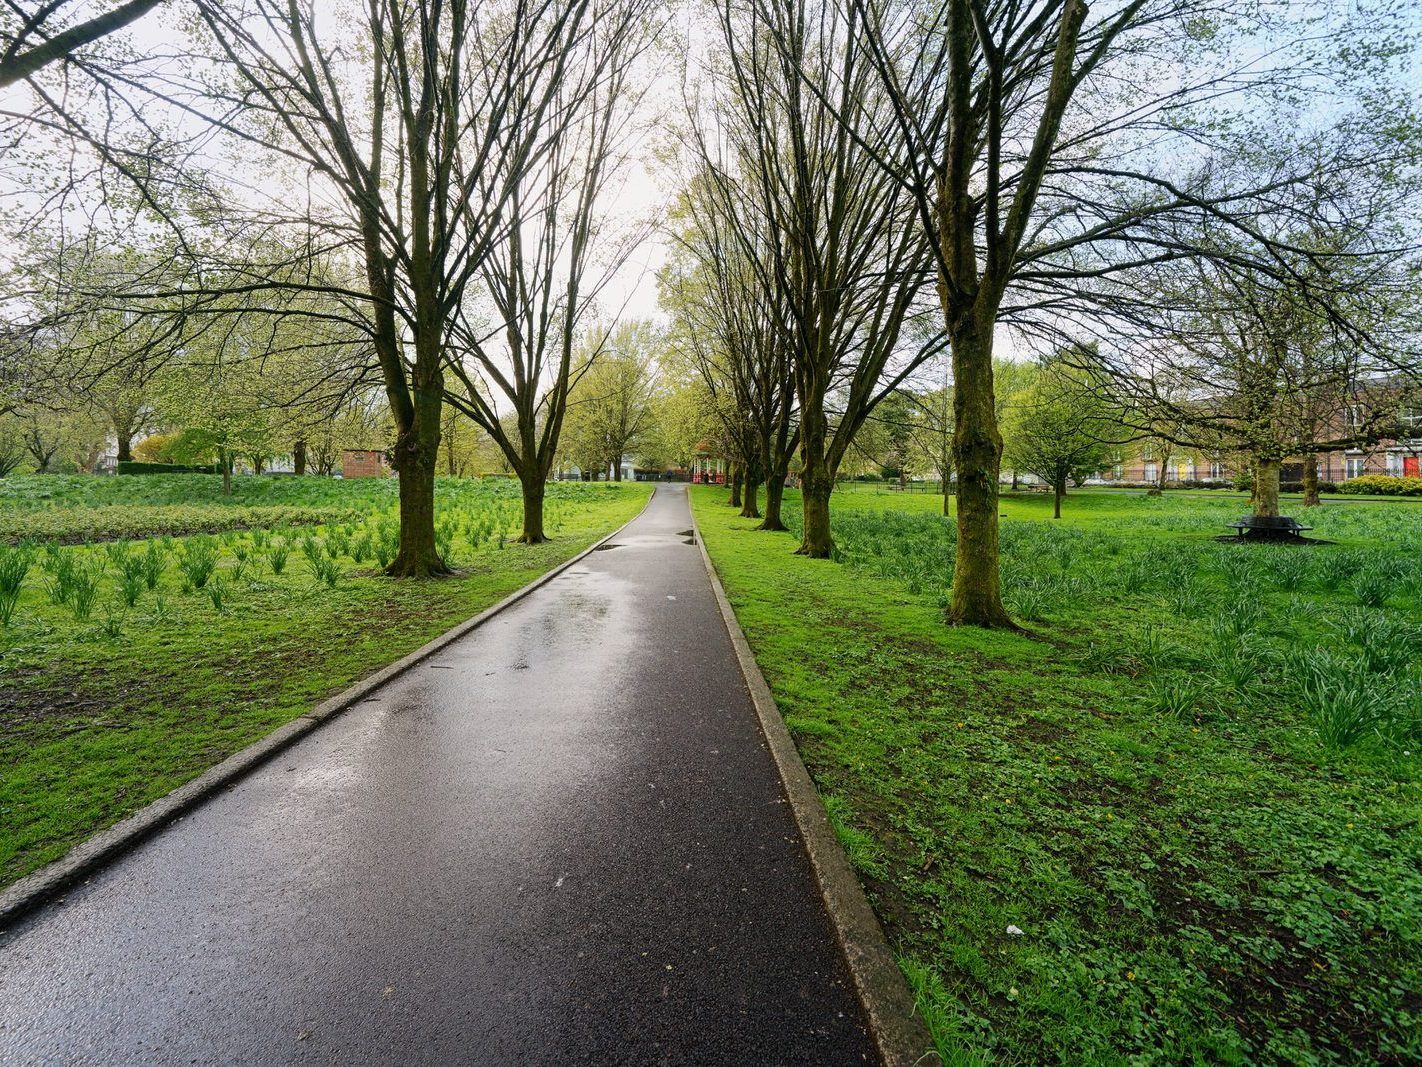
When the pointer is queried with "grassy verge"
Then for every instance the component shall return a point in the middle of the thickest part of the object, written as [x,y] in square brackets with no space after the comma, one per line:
[1193,788]
[100,715]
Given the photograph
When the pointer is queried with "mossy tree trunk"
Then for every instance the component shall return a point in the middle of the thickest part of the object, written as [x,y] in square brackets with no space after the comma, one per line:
[535,487]
[816,485]
[298,457]
[1266,487]
[1310,481]
[977,456]
[774,495]
[733,476]
[749,506]
[416,455]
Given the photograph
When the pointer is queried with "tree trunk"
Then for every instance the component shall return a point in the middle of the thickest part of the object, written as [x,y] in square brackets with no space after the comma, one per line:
[225,462]
[735,480]
[416,455]
[1014,481]
[125,446]
[947,497]
[1310,481]
[534,489]
[617,471]
[977,454]
[749,508]
[1058,491]
[1266,488]
[774,494]
[816,541]
[298,456]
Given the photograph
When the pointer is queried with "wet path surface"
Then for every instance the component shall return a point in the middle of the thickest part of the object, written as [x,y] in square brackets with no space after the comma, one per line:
[559,840]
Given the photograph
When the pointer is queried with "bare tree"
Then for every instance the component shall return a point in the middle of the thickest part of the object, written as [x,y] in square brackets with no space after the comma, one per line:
[511,351]
[843,249]
[722,289]
[416,130]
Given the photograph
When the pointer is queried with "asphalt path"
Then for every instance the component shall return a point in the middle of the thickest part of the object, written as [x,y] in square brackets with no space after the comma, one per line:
[559,840]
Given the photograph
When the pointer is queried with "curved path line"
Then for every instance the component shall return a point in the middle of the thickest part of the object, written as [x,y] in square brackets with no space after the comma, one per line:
[558,839]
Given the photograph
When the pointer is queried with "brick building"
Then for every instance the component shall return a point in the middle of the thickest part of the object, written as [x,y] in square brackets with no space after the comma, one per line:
[1396,456]
[363,463]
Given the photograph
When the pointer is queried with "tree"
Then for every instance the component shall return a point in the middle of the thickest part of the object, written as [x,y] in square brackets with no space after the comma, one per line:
[221,411]
[1045,150]
[732,326]
[441,134]
[555,255]
[1320,357]
[798,163]
[610,408]
[1059,428]
[12,443]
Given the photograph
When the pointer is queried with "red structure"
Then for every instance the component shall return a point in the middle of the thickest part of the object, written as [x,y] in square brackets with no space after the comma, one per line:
[363,463]
[708,467]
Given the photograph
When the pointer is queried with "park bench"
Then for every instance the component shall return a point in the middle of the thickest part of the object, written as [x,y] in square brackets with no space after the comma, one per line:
[1269,527]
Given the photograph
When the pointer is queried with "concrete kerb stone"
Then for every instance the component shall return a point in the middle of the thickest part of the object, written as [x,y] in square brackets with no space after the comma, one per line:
[899,1033]
[50,880]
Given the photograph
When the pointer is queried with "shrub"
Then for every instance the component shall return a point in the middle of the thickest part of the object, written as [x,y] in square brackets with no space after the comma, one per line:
[1383,485]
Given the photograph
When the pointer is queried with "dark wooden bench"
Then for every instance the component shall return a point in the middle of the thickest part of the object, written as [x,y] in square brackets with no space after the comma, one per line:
[1269,527]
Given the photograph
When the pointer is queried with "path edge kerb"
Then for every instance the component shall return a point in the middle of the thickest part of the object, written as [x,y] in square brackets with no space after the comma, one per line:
[36,888]
[898,1032]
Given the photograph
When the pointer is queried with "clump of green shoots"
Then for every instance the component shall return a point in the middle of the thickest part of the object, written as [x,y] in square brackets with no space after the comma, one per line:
[14,565]
[276,555]
[197,561]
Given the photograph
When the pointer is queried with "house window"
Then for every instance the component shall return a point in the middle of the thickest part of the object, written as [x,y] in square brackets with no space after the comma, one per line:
[1353,466]
[1117,471]
[1152,471]
[1411,418]
[1353,414]
[1148,453]
[1216,470]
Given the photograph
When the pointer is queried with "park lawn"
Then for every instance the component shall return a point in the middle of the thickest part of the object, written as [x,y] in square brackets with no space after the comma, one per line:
[1136,783]
[102,716]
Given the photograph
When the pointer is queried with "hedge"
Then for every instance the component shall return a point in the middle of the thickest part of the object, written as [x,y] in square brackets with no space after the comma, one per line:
[129,466]
[1383,485]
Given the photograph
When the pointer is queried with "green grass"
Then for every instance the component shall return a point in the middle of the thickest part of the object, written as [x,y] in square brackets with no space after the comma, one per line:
[1193,784]
[101,714]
